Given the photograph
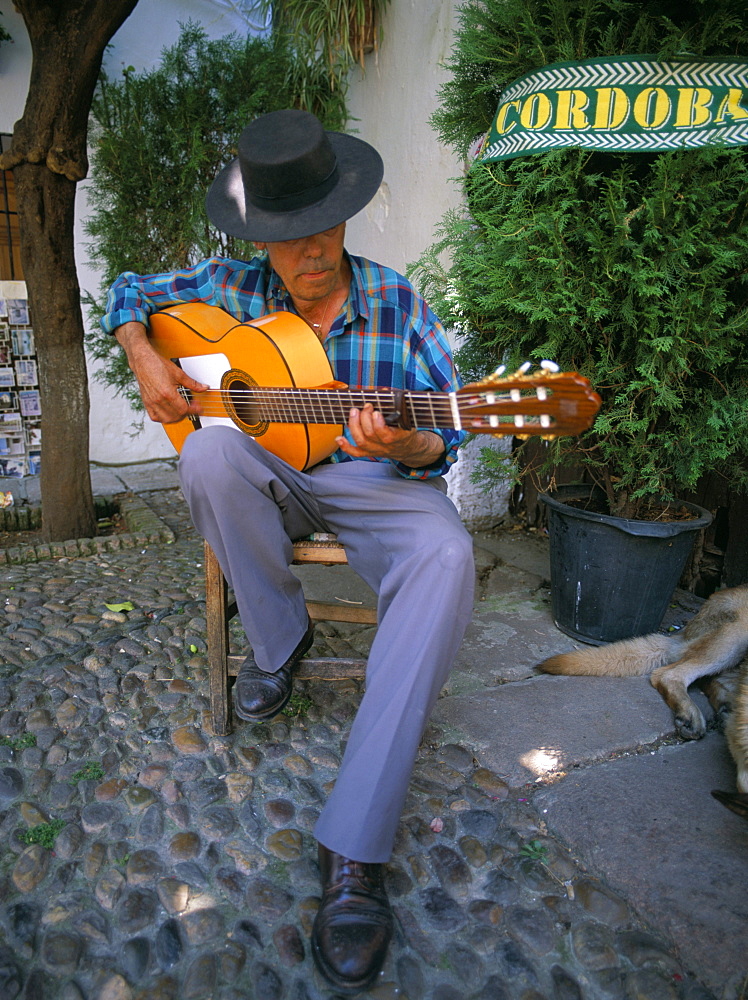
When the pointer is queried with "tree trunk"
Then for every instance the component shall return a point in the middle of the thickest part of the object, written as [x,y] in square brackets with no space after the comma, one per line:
[48,157]
[45,206]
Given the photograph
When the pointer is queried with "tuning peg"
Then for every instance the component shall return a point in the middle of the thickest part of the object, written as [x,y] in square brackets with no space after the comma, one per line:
[549,366]
[497,375]
[523,369]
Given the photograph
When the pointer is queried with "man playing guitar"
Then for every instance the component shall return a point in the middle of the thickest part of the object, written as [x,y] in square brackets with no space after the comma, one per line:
[290,190]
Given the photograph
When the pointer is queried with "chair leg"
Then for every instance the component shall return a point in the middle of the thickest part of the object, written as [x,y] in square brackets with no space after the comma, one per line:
[216,594]
[221,666]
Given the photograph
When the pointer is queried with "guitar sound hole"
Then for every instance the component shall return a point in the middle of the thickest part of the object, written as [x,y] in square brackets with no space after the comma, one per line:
[236,388]
[246,410]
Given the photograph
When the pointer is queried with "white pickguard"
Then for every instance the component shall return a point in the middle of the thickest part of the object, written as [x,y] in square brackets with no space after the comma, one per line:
[208,369]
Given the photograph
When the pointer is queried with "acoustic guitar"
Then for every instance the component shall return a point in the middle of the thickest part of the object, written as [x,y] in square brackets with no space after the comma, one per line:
[271,379]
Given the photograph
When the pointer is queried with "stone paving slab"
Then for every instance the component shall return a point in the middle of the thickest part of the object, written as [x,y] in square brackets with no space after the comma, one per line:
[559,740]
[534,729]
[105,480]
[648,823]
[336,584]
[511,630]
[159,475]
[526,550]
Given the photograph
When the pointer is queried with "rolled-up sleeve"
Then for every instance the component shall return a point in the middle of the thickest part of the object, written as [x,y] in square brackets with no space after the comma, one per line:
[232,285]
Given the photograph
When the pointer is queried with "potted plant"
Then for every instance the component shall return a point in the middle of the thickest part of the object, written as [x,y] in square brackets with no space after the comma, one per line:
[627,267]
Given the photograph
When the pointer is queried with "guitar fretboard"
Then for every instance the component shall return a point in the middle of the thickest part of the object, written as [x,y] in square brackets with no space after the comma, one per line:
[332,406]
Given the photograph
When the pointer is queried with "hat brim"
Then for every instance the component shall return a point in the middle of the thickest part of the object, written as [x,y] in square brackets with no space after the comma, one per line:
[360,172]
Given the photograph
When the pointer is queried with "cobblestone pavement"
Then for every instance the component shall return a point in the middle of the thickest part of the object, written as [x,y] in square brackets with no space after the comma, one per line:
[144,858]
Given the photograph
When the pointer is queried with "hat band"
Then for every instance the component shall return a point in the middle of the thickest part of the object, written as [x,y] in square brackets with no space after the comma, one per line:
[299,199]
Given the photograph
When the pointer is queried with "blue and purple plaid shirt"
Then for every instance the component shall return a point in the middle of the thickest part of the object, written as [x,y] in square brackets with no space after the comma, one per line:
[386,337]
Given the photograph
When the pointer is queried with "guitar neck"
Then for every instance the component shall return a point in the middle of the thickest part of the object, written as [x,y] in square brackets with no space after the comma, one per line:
[485,411]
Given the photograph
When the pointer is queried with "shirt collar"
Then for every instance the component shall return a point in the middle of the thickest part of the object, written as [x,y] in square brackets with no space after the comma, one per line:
[358,304]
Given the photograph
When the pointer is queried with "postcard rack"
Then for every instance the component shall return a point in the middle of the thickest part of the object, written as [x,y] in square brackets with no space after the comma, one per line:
[20,406]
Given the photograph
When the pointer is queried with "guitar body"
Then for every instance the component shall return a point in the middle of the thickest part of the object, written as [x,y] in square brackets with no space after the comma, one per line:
[279,349]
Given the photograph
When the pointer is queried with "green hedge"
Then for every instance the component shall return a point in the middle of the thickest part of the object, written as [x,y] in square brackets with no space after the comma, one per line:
[630,268]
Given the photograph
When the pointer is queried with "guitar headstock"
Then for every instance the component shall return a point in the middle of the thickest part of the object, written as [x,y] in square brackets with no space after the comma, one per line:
[546,403]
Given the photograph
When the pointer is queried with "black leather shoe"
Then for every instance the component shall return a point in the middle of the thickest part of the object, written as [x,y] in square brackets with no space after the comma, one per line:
[353,926]
[259,695]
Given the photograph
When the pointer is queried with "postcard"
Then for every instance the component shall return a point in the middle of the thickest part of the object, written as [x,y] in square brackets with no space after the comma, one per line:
[13,467]
[10,423]
[12,446]
[23,341]
[26,373]
[18,312]
[30,403]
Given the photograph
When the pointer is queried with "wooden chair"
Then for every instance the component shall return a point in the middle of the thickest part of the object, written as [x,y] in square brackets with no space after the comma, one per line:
[325,551]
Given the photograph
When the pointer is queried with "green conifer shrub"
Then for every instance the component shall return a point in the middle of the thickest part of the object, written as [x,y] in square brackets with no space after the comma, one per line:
[158,138]
[630,268]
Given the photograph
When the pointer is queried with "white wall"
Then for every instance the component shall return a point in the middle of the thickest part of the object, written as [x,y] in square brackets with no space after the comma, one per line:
[15,67]
[393,102]
[390,106]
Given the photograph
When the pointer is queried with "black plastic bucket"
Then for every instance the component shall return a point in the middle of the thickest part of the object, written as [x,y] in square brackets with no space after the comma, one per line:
[612,578]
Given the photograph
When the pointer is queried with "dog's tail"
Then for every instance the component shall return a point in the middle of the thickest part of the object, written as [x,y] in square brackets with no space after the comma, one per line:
[628,658]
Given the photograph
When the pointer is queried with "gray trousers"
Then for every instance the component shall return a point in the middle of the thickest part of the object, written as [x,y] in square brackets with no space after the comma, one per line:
[404,538]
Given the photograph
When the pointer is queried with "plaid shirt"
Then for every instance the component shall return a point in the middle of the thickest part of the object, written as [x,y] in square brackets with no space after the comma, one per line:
[386,337]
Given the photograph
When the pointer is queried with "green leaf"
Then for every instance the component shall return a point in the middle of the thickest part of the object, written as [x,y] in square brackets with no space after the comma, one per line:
[125,606]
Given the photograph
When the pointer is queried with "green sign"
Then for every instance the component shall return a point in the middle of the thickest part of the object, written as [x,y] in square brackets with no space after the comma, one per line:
[622,104]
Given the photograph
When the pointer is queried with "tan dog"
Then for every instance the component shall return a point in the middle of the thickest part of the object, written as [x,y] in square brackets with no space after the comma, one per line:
[708,650]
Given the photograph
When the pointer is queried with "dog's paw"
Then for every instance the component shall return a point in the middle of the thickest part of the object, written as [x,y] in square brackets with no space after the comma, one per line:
[690,725]
[721,715]
[735,801]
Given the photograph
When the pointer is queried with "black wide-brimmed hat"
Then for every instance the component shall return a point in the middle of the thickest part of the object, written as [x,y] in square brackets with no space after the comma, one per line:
[292,179]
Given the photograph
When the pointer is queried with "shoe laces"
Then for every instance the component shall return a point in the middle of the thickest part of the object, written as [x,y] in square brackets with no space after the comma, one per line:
[356,871]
